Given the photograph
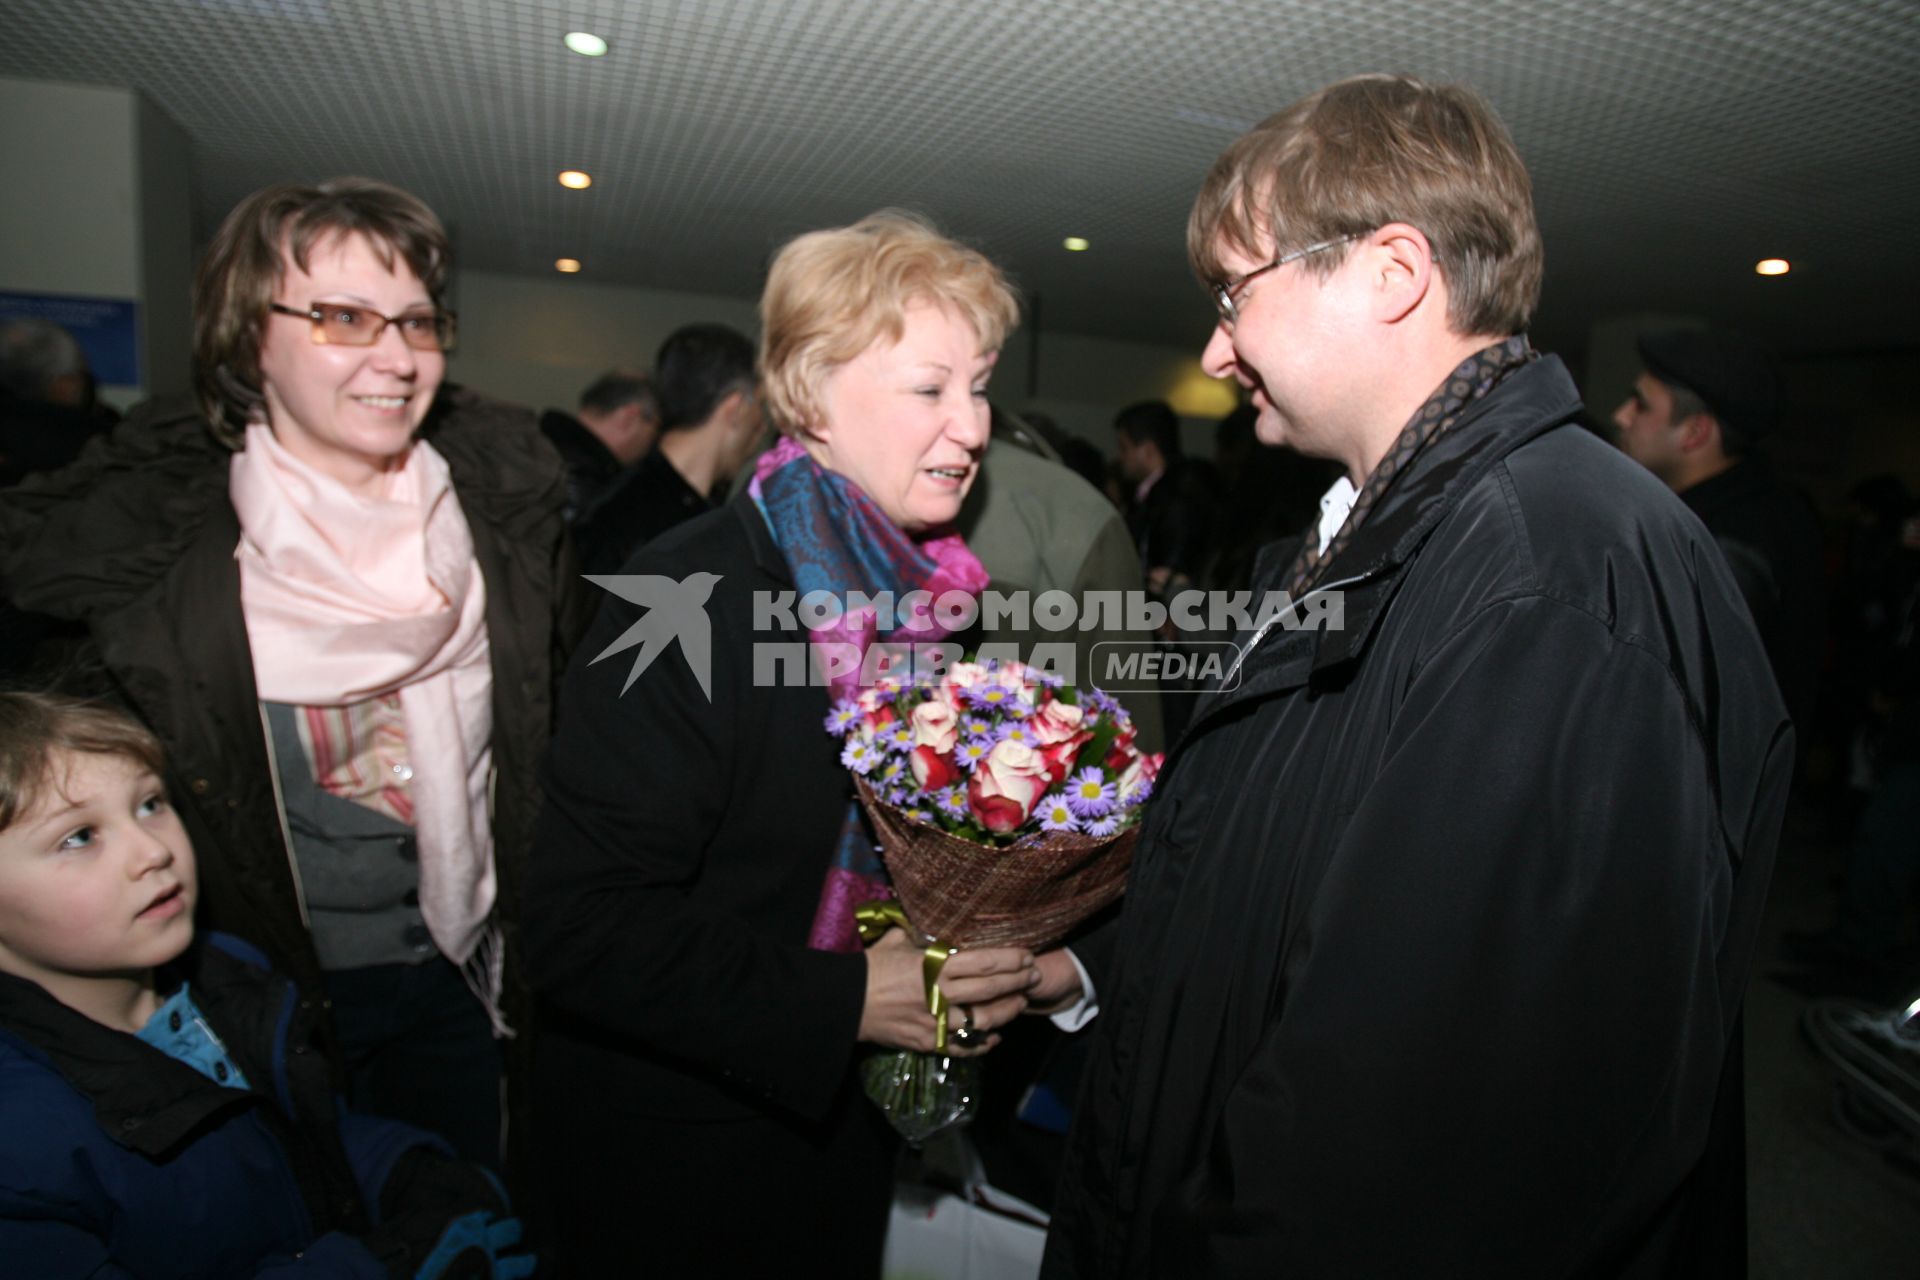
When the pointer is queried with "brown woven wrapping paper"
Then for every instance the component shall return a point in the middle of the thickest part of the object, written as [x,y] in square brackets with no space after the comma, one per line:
[1027,894]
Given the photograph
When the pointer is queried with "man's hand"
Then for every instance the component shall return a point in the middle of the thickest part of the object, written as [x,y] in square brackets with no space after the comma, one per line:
[1059,986]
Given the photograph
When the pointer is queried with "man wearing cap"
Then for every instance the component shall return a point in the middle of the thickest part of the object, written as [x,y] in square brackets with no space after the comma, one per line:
[1435,937]
[1701,404]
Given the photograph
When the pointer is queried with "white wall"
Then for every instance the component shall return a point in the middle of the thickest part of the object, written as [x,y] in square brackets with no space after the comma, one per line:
[68,190]
[94,202]
[541,340]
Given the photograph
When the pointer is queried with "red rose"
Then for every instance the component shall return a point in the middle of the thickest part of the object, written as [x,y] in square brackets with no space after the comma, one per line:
[932,768]
[1059,757]
[960,677]
[1005,788]
[936,725]
[1056,722]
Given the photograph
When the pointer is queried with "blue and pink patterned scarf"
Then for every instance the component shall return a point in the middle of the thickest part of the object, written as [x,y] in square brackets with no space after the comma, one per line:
[836,539]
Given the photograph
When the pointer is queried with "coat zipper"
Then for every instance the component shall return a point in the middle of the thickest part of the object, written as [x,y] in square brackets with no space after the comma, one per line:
[1292,607]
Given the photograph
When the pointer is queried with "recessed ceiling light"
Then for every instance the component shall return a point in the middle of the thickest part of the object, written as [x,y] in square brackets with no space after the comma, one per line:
[576,179]
[585,43]
[1075,244]
[1772,267]
[568,265]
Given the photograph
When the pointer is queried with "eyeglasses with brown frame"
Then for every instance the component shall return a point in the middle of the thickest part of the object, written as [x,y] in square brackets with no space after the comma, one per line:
[343,324]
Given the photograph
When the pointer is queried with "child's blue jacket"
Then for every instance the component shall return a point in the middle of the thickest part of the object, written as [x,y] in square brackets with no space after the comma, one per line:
[118,1161]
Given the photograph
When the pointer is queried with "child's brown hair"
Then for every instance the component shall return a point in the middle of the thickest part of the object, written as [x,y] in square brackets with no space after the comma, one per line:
[35,726]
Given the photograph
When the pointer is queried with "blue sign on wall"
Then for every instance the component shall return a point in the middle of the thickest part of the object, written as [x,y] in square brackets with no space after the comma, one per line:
[107,329]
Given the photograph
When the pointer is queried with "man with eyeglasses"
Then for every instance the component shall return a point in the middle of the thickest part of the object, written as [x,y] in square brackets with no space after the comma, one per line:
[1432,957]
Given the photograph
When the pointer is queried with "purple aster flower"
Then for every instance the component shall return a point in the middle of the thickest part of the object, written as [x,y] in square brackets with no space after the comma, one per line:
[1138,793]
[1098,700]
[845,712]
[897,737]
[1056,816]
[953,802]
[989,697]
[976,727]
[1089,794]
[1102,827]
[972,751]
[1017,731]
[1020,707]
[860,756]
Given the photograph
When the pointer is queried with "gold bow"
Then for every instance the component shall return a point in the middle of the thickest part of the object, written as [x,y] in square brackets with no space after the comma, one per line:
[874,919]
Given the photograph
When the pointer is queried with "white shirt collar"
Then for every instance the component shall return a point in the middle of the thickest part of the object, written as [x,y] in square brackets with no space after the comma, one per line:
[1335,505]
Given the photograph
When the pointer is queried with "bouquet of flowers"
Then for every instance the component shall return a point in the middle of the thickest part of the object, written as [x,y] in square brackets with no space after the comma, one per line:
[1006,805]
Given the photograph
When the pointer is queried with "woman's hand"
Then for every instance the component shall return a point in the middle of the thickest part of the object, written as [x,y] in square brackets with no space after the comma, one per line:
[988,986]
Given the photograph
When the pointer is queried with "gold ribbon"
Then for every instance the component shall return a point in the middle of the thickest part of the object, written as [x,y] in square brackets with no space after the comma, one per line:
[881,914]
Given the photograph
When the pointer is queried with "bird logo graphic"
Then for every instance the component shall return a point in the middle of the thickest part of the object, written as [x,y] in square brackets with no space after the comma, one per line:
[675,611]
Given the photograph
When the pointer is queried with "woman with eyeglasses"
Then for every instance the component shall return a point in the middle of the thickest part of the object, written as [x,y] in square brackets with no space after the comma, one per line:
[334,587]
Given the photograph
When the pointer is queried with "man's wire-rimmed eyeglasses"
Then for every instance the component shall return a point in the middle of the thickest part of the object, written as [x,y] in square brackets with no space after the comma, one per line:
[1226,296]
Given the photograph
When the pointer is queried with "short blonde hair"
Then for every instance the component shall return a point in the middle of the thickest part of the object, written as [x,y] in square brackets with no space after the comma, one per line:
[1374,149]
[832,294]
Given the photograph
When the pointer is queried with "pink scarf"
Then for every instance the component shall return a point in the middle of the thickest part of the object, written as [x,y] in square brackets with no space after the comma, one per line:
[349,597]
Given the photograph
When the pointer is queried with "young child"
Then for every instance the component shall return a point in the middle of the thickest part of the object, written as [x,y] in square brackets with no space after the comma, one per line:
[164,1110]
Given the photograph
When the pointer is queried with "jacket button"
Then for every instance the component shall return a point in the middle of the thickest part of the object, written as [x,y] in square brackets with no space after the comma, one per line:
[220,1072]
[201,786]
[408,847]
[173,1020]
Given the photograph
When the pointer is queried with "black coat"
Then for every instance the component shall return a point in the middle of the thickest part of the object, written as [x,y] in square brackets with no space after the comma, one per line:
[679,861]
[591,466]
[137,541]
[651,498]
[1771,538]
[1172,526]
[1432,958]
